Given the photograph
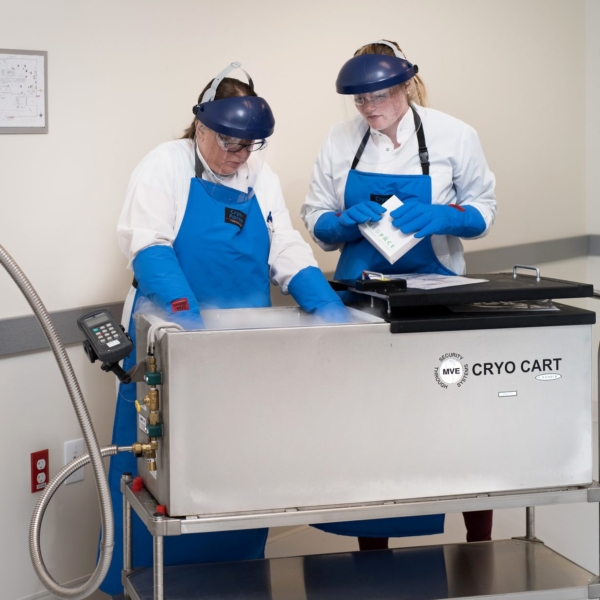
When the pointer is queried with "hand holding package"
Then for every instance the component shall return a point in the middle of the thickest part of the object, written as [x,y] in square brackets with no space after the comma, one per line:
[386,238]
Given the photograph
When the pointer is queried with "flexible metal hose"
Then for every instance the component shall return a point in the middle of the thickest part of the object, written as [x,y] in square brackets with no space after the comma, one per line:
[95,453]
[57,481]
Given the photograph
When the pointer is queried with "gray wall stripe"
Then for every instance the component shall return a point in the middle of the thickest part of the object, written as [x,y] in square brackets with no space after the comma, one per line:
[536,253]
[594,249]
[23,334]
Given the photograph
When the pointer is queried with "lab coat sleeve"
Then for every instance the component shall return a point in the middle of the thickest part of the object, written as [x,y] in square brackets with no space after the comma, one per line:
[149,213]
[472,178]
[288,253]
[321,196]
[146,232]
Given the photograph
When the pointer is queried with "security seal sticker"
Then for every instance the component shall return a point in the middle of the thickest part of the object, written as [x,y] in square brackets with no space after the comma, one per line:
[452,370]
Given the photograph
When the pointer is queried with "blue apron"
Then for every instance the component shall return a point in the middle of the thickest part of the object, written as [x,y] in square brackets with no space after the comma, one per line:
[223,249]
[359,255]
[378,187]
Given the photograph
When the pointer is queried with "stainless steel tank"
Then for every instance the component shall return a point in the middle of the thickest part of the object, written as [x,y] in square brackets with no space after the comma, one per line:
[271,409]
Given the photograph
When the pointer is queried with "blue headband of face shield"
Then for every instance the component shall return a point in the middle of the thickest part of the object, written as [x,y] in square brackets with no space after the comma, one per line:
[242,117]
[372,72]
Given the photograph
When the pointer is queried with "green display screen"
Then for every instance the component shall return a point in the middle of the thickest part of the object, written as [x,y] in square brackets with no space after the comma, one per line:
[93,321]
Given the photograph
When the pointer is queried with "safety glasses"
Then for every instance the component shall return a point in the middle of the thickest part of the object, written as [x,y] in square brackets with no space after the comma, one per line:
[230,144]
[374,98]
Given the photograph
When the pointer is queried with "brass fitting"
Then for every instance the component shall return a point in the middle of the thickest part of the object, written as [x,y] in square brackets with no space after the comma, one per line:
[151,364]
[151,456]
[153,418]
[151,399]
[151,463]
[139,448]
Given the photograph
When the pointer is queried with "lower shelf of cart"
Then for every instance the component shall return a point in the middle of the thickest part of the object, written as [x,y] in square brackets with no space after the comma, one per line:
[508,569]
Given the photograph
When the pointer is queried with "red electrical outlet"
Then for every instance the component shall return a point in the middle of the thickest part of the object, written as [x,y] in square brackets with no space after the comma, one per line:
[39,470]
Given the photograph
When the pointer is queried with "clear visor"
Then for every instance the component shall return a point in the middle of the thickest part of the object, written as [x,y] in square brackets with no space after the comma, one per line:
[230,166]
[386,115]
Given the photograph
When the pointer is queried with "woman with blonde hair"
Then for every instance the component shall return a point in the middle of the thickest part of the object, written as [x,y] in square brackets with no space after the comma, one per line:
[391,144]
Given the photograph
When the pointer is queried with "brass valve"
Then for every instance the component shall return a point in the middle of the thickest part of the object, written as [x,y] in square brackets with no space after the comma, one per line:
[151,399]
[149,452]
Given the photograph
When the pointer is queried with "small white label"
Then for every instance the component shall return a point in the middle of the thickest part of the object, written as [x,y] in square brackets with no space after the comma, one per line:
[113,343]
[142,422]
[506,394]
[549,376]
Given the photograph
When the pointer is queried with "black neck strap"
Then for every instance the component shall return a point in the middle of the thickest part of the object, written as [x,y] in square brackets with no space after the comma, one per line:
[423,152]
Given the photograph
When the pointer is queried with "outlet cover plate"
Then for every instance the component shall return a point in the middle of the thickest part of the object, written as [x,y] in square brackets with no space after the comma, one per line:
[74,449]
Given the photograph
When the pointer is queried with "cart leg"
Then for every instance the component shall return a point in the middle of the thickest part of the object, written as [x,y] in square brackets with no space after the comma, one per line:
[594,587]
[596,591]
[158,563]
[127,532]
[530,525]
[597,296]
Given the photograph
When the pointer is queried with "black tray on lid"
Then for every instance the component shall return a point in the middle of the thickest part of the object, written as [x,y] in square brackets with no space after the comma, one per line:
[498,287]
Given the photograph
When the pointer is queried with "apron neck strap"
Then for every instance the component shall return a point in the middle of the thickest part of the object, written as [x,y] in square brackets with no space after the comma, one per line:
[361,149]
[423,152]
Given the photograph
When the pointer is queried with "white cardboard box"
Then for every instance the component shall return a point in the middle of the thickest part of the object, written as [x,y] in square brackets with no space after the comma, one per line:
[386,238]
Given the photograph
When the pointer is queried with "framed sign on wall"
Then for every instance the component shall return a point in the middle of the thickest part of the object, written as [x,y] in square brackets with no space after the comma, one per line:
[23,91]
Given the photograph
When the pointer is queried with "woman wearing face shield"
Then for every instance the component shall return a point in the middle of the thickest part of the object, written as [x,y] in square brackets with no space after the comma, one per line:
[391,144]
[205,225]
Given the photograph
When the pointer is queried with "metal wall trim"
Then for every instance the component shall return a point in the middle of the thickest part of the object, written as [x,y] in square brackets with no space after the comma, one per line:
[535,253]
[24,334]
[594,247]
[19,335]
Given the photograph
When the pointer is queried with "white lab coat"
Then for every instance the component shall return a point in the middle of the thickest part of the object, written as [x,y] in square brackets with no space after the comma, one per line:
[459,171]
[157,198]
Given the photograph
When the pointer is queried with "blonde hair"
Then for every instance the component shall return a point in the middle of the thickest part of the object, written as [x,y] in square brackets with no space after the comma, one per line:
[420,92]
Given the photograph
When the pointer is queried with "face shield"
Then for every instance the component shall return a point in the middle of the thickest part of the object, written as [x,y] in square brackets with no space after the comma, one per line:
[230,143]
[374,96]
[228,167]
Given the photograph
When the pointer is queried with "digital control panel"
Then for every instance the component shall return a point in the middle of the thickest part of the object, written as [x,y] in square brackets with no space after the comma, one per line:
[105,337]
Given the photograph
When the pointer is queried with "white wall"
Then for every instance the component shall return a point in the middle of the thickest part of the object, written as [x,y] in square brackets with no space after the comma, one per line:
[592,140]
[592,116]
[37,415]
[123,77]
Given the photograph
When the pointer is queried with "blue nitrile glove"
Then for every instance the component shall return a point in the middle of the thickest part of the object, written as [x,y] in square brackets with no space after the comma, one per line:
[161,279]
[312,292]
[333,228]
[438,219]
